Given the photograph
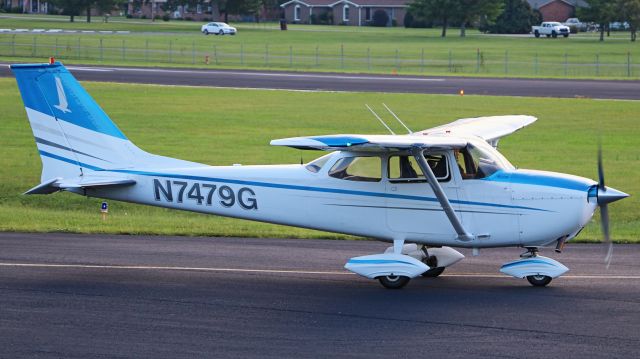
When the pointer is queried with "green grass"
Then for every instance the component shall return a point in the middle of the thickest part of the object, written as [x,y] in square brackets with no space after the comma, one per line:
[224,126]
[326,48]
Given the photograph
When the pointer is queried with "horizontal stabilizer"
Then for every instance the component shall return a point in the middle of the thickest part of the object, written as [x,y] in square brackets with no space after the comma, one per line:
[58,184]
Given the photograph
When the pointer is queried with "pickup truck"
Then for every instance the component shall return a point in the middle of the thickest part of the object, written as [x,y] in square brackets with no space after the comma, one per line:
[552,29]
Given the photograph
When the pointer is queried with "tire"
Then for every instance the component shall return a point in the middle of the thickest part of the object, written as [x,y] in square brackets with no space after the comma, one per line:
[554,34]
[394,282]
[539,280]
[221,32]
[536,34]
[206,32]
[548,35]
[566,35]
[433,272]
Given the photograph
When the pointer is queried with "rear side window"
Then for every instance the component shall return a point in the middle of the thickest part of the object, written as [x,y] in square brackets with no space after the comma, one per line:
[361,168]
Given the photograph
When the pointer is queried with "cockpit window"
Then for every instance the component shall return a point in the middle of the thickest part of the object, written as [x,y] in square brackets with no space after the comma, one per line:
[476,162]
[366,169]
[316,165]
[404,168]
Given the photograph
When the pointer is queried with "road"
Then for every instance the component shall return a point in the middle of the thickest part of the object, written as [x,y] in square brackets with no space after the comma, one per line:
[86,296]
[629,90]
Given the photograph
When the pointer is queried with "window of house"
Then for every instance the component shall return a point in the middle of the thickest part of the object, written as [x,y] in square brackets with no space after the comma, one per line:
[345,13]
[405,168]
[367,14]
[296,13]
[360,168]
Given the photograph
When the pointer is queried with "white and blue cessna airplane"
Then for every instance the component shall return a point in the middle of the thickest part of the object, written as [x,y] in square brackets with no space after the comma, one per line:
[424,192]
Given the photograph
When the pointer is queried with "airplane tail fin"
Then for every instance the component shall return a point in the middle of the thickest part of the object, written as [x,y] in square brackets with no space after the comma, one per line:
[73,134]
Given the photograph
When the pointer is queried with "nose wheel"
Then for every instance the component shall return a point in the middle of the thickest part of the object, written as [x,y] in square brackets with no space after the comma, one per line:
[539,280]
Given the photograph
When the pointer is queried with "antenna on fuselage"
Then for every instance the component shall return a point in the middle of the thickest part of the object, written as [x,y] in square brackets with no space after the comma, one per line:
[397,118]
[379,119]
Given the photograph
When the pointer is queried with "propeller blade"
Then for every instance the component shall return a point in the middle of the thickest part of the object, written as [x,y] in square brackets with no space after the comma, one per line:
[604,219]
[600,169]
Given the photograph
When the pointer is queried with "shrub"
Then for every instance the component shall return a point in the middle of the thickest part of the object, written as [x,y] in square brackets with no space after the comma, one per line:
[166,17]
[380,18]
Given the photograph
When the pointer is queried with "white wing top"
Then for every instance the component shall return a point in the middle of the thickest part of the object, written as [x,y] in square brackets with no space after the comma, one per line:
[490,128]
[452,135]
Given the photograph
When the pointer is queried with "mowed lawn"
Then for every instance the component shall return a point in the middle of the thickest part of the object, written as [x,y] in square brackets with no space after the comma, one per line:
[225,126]
[323,48]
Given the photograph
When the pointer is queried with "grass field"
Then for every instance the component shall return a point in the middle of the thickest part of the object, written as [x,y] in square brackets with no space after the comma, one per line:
[223,126]
[324,48]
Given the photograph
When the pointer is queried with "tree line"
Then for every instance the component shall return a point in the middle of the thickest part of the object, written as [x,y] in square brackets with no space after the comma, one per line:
[514,16]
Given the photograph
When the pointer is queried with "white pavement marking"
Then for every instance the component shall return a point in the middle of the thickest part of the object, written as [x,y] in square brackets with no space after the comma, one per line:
[274,271]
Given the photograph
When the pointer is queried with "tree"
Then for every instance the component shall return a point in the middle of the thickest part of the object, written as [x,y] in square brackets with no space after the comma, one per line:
[602,12]
[238,7]
[72,8]
[630,12]
[472,10]
[442,11]
[516,18]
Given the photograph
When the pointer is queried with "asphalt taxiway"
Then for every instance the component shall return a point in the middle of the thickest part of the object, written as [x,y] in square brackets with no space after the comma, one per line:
[305,81]
[80,296]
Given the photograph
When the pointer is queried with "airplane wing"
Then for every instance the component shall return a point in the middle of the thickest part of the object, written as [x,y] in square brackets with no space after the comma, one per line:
[373,143]
[490,128]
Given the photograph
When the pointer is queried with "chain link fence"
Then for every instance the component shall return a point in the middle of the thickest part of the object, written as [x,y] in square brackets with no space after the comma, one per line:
[158,50]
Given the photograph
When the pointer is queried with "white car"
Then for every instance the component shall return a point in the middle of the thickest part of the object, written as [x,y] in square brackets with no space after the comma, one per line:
[574,21]
[218,28]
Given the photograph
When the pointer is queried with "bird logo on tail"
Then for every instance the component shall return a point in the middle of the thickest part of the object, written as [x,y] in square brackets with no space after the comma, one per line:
[62,105]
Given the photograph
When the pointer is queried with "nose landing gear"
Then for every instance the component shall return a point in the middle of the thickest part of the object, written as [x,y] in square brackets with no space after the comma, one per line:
[538,270]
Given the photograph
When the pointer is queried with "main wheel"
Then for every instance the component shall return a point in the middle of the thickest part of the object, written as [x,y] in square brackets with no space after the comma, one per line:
[394,281]
[206,32]
[537,34]
[539,280]
[554,34]
[565,35]
[221,32]
[433,272]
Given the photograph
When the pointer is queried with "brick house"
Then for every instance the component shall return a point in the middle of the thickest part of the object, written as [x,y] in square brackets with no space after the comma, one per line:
[27,6]
[557,10]
[343,12]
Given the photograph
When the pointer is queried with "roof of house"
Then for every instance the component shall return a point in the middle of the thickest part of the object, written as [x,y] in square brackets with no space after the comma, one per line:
[357,3]
[536,4]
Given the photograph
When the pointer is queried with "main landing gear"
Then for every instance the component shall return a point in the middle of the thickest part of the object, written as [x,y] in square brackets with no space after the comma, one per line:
[538,270]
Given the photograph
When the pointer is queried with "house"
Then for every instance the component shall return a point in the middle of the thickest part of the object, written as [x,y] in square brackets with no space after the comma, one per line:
[342,12]
[557,10]
[204,10]
[26,6]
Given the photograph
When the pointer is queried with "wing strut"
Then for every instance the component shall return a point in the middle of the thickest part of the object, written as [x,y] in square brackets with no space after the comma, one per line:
[463,235]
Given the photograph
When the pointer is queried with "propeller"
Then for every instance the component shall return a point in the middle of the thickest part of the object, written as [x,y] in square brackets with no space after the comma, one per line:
[606,195]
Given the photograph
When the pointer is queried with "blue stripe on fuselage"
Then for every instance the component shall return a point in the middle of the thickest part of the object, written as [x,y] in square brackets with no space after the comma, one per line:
[539,179]
[288,186]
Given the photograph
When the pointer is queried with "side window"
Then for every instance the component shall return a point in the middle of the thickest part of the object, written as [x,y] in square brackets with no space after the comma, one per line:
[406,169]
[365,169]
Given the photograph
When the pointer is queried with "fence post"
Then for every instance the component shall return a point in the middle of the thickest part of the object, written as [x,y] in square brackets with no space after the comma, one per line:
[146,50]
[241,54]
[56,49]
[101,51]
[422,60]
[598,64]
[506,62]
[368,59]
[317,62]
[124,56]
[266,54]
[477,60]
[290,56]
[78,49]
[215,53]
[397,60]
[193,53]
[535,64]
[342,56]
[628,63]
[170,47]
[13,45]
[450,63]
[566,64]
[33,47]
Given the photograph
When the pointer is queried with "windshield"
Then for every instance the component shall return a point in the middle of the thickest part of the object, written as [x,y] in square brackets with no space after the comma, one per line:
[479,160]
[316,165]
